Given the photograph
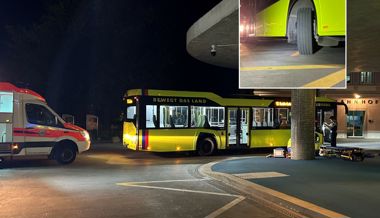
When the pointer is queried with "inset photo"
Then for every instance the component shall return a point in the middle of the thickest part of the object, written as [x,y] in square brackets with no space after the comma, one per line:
[296,44]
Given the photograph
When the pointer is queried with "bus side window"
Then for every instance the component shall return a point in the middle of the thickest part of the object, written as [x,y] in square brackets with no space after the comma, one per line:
[215,116]
[151,116]
[171,120]
[206,123]
[262,117]
[283,118]
[173,116]
[155,121]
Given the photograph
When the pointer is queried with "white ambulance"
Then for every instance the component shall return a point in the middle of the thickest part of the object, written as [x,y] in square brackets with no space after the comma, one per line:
[28,126]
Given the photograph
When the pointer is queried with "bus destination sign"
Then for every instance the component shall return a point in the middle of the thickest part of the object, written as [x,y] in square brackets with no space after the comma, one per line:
[179,100]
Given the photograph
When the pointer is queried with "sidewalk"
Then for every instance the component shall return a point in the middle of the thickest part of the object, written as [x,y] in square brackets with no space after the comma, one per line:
[371,144]
[318,188]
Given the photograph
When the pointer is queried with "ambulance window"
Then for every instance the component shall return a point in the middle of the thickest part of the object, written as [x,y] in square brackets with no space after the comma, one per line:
[40,115]
[6,102]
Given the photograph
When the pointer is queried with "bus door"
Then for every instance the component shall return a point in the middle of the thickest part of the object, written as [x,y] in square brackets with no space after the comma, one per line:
[323,116]
[6,122]
[238,128]
[131,125]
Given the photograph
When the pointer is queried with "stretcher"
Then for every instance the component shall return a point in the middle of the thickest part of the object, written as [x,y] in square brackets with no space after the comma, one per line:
[348,153]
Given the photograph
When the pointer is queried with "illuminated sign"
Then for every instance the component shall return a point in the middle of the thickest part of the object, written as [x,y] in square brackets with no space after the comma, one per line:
[360,101]
[283,103]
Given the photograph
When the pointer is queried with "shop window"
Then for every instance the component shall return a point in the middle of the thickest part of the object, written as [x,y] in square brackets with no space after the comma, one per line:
[6,102]
[207,116]
[348,77]
[151,116]
[262,117]
[366,78]
[173,116]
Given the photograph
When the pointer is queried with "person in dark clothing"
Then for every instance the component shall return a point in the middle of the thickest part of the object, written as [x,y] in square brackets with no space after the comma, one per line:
[333,127]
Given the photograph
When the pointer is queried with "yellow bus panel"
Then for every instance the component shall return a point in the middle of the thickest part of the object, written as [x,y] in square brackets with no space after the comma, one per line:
[269,138]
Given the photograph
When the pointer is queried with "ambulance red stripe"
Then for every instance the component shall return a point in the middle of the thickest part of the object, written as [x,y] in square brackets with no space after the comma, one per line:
[46,133]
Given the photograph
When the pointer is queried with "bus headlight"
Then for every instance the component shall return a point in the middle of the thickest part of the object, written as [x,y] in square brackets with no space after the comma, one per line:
[85,134]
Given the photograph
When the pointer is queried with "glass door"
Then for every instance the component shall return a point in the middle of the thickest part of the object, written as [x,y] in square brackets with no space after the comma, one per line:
[244,132]
[238,126]
[355,123]
[323,116]
[232,126]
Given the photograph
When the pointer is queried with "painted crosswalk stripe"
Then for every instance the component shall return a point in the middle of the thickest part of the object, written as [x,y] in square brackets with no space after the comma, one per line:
[260,175]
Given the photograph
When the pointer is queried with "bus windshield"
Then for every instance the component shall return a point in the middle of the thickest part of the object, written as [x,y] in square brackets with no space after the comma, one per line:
[131,113]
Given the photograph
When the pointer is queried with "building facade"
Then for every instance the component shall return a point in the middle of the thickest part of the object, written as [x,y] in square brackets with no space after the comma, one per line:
[362,98]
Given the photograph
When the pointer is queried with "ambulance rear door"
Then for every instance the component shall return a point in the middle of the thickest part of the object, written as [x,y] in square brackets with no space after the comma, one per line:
[6,122]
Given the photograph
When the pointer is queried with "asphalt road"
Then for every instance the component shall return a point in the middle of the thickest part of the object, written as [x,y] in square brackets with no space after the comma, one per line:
[274,63]
[108,181]
[349,188]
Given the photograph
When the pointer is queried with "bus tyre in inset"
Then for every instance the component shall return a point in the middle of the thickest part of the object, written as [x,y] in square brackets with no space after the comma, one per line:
[305,31]
[206,146]
[65,153]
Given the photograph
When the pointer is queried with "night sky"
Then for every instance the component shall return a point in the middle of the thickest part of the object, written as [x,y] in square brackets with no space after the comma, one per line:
[82,55]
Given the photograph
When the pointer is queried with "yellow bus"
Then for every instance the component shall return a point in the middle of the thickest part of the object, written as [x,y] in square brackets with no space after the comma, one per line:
[306,22]
[169,121]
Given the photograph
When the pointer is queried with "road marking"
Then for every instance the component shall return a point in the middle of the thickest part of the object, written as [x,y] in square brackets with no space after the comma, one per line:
[252,188]
[164,181]
[225,207]
[293,67]
[260,175]
[214,214]
[329,80]
[177,189]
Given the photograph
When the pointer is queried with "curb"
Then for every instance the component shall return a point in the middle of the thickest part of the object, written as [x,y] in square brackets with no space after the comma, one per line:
[281,202]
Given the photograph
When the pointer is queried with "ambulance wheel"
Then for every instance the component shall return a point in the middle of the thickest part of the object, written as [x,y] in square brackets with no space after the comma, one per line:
[65,154]
[206,147]
[305,31]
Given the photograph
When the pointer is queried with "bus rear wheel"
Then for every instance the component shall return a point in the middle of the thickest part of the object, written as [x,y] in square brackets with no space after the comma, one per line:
[206,147]
[306,42]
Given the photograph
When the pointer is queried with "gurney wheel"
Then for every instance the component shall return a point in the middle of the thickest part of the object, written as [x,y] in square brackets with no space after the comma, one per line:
[356,157]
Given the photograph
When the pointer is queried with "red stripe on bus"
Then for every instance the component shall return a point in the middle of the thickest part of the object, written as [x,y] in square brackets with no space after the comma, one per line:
[146,139]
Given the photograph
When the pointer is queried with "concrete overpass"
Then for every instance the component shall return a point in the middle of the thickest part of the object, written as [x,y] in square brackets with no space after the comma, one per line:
[219,27]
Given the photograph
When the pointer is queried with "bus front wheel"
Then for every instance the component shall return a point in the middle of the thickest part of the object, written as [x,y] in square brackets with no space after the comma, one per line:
[306,42]
[206,146]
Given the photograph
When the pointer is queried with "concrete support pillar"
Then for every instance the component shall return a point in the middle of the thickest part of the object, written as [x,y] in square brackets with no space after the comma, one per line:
[302,124]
